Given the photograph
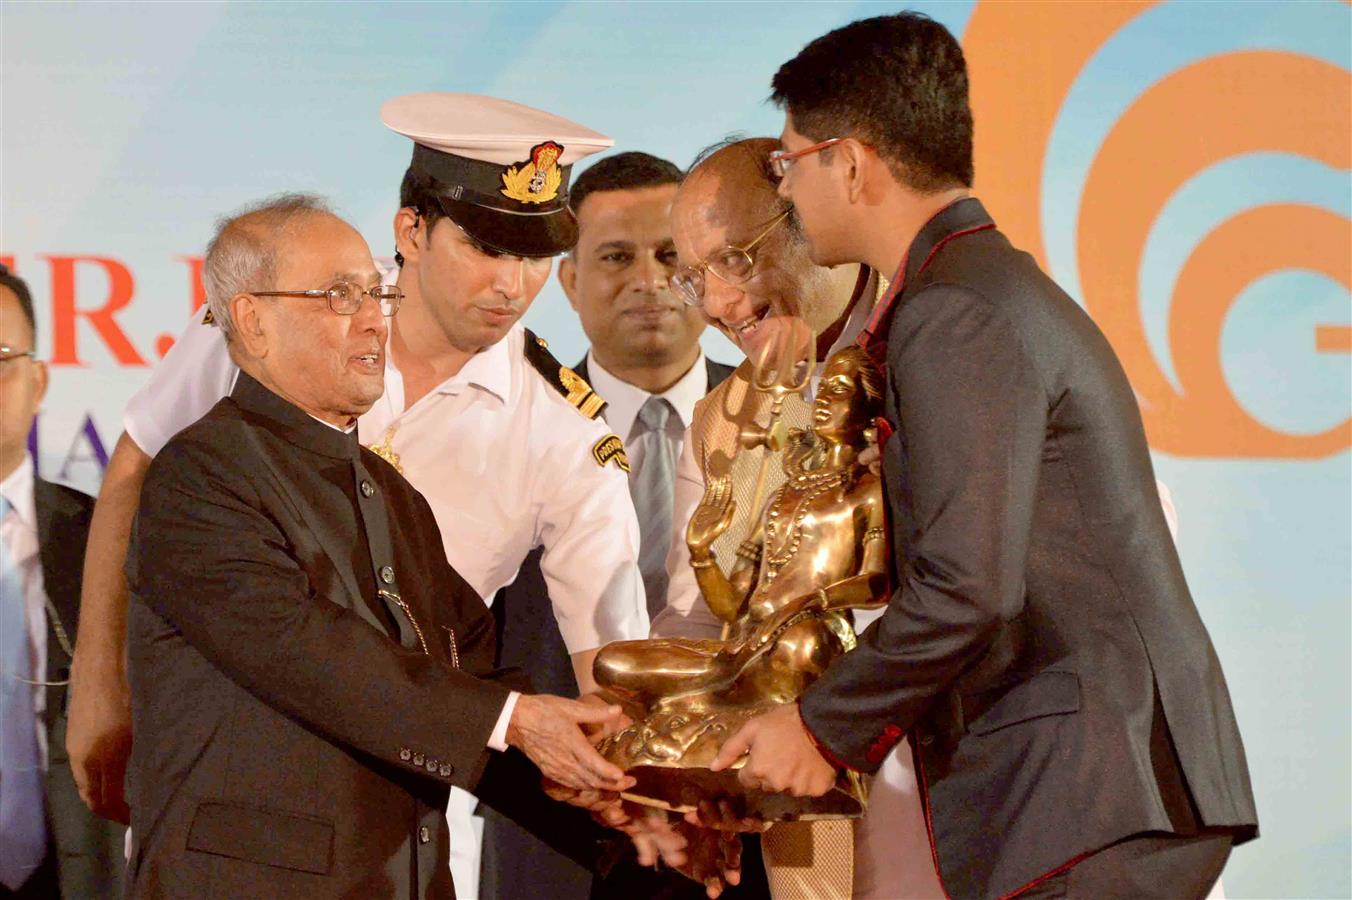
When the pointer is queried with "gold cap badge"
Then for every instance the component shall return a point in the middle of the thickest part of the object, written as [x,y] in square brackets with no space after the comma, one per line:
[538,180]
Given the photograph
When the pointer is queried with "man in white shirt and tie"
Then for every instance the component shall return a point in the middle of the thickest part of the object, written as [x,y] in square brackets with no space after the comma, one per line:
[50,845]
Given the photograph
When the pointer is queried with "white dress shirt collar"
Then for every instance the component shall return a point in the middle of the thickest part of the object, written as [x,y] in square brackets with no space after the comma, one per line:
[17,488]
[490,368]
[860,313]
[624,400]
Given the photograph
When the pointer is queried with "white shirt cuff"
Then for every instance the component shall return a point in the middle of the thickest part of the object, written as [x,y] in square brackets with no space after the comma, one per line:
[498,739]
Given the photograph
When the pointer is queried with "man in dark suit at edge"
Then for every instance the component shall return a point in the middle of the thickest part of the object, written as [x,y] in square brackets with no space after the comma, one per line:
[1073,731]
[51,845]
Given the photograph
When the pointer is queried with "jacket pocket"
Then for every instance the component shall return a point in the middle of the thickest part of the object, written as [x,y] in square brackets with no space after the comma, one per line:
[264,836]
[1045,694]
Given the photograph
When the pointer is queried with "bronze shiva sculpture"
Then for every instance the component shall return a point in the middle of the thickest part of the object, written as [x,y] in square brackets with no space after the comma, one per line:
[819,549]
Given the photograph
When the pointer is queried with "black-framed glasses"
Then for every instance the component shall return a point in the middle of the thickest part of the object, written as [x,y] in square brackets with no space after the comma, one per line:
[345,297]
[731,265]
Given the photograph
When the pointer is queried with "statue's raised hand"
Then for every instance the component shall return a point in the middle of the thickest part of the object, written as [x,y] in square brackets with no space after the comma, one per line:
[712,517]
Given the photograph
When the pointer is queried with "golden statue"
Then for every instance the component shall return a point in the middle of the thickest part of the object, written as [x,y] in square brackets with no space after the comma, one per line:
[819,548]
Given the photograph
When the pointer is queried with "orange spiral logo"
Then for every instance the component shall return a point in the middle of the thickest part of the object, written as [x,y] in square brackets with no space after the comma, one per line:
[1210,110]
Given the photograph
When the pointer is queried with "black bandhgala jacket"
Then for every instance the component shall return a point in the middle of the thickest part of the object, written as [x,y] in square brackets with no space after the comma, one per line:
[297,734]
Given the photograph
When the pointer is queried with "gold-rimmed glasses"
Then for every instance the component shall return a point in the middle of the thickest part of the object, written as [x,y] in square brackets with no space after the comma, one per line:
[345,297]
[731,265]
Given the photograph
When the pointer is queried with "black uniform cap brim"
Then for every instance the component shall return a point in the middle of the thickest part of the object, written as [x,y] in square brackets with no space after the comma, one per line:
[533,235]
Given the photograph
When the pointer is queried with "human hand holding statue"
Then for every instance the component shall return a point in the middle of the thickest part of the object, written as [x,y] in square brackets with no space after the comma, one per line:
[705,855]
[550,730]
[780,755]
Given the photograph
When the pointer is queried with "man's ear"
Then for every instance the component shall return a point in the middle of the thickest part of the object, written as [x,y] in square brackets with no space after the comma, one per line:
[250,325]
[568,279]
[855,159]
[41,377]
[406,225]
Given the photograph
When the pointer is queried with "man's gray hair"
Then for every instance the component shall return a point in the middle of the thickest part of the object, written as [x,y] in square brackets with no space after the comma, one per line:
[242,255]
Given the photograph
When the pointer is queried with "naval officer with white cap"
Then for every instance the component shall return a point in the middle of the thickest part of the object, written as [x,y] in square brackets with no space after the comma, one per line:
[505,444]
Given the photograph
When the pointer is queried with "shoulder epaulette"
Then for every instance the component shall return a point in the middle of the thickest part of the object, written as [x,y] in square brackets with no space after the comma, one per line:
[571,385]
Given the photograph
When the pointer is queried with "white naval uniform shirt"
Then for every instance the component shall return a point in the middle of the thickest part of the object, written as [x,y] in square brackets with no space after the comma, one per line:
[19,534]
[506,464]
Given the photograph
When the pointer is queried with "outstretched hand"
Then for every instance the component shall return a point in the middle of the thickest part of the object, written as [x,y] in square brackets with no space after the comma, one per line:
[550,730]
[725,814]
[780,755]
[713,858]
[710,857]
[610,727]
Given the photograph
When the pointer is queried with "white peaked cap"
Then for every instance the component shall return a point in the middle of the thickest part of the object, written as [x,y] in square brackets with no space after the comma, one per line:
[488,129]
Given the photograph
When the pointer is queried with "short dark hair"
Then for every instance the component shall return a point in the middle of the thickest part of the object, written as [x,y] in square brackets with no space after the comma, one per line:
[418,192]
[20,289]
[623,172]
[897,83]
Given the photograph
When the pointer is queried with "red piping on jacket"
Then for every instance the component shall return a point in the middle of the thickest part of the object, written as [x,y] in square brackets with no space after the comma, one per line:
[824,750]
[923,783]
[884,308]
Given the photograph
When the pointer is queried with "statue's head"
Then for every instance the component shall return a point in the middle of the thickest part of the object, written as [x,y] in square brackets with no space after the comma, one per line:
[848,398]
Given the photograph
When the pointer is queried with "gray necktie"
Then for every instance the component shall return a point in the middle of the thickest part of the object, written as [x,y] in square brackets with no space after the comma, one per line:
[652,486]
[23,830]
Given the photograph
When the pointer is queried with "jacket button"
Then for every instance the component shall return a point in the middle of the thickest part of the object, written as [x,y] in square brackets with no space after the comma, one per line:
[387,574]
[367,490]
[431,765]
[418,759]
[926,739]
[446,770]
[424,834]
[405,754]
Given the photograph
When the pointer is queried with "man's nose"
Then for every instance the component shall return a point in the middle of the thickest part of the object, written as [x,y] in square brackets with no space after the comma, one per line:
[652,275]
[369,317]
[509,277]
[721,299]
[782,189]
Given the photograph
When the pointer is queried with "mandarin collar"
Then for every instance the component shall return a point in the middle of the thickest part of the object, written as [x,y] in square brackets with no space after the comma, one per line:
[960,215]
[291,422]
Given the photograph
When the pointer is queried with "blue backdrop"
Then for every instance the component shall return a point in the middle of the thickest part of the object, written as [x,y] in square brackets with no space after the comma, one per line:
[128,128]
